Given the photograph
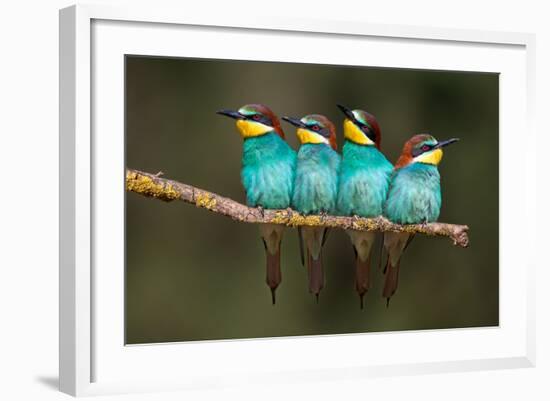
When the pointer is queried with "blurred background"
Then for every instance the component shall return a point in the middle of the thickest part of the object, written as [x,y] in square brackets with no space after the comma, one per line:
[195,275]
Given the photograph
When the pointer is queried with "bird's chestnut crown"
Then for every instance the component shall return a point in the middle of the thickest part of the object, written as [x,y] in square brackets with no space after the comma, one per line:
[361,127]
[423,148]
[254,120]
[315,129]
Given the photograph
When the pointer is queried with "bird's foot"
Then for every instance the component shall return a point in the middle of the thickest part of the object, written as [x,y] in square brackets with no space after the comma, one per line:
[289,212]
[261,211]
[323,214]
[354,220]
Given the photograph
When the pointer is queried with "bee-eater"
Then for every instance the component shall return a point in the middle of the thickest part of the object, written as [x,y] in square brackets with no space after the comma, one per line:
[315,187]
[363,185]
[414,198]
[267,174]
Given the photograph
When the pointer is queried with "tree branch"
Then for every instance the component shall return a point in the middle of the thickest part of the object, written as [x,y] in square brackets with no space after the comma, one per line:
[168,190]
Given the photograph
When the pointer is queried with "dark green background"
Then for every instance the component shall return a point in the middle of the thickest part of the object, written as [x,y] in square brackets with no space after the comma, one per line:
[195,275]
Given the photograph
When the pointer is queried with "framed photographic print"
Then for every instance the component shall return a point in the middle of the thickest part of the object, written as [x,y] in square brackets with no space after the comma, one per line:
[247,191]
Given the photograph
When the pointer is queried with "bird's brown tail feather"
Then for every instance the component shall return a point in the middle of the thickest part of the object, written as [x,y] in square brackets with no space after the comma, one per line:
[316,275]
[392,278]
[362,276]
[273,271]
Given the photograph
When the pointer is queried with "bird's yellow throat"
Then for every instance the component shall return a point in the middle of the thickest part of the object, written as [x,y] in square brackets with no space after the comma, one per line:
[354,134]
[432,157]
[250,129]
[306,136]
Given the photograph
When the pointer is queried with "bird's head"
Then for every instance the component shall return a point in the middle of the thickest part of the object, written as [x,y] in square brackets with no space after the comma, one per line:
[422,148]
[314,128]
[254,120]
[361,127]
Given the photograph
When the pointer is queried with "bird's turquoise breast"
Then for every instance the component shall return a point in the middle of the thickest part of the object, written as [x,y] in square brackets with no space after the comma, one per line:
[316,182]
[364,181]
[267,174]
[415,195]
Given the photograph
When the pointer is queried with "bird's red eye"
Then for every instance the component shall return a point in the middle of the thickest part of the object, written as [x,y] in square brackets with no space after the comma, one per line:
[425,148]
[256,117]
[315,128]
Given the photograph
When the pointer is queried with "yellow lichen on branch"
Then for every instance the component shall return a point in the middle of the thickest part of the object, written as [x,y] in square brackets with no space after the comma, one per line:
[294,219]
[205,200]
[153,186]
[146,185]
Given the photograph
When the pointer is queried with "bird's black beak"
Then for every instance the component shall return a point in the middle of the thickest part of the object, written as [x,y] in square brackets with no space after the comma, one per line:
[347,112]
[231,113]
[442,144]
[294,121]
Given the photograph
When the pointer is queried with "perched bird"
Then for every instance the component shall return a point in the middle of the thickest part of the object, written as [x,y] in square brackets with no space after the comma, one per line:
[363,185]
[267,174]
[414,198]
[315,187]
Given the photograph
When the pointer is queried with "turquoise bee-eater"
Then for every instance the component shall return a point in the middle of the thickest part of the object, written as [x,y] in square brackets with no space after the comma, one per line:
[267,174]
[315,188]
[414,198]
[363,185]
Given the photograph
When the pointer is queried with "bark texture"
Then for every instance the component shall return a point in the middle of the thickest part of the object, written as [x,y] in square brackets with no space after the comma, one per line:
[155,186]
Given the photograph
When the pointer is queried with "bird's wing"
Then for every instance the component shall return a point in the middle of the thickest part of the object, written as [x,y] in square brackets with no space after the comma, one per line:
[325,235]
[301,242]
[409,240]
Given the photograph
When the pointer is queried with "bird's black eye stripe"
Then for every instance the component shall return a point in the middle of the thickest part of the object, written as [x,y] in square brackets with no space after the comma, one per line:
[422,149]
[318,129]
[368,132]
[259,118]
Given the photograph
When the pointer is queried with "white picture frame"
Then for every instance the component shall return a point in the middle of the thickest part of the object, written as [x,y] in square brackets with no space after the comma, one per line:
[93,357]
